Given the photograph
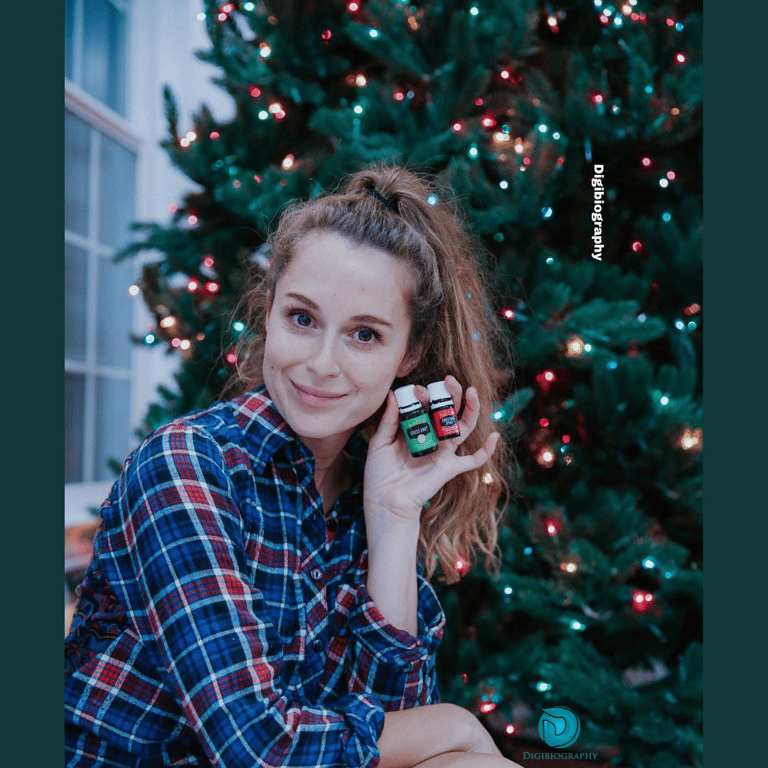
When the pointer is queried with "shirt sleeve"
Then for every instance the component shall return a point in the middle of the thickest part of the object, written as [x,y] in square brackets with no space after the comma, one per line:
[396,667]
[176,549]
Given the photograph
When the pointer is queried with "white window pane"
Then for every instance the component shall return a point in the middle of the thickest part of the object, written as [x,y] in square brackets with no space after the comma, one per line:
[113,326]
[74,407]
[69,34]
[77,145]
[75,301]
[112,439]
[116,201]
[104,53]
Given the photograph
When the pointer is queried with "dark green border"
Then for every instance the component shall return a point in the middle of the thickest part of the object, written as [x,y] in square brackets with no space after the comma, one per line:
[735,276]
[32,502]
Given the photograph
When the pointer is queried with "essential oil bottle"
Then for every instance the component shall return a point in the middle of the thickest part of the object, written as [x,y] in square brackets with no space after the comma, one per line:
[442,411]
[414,419]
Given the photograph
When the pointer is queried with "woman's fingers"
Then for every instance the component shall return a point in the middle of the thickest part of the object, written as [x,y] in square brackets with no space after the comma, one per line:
[478,458]
[455,391]
[468,420]
[390,421]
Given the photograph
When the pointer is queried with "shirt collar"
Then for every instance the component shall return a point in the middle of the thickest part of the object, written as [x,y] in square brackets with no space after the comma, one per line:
[258,417]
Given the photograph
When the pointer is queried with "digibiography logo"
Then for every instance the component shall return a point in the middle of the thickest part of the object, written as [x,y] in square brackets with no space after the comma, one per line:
[559,727]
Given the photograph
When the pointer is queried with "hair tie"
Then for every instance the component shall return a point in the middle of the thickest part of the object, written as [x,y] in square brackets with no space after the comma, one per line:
[375,192]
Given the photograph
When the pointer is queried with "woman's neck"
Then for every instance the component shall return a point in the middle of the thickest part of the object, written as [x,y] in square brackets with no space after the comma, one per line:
[331,469]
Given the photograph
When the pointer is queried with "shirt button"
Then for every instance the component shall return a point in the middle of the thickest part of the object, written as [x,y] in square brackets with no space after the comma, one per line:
[316,574]
[317,645]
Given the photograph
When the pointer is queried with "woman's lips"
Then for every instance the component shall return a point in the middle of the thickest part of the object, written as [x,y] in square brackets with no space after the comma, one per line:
[312,396]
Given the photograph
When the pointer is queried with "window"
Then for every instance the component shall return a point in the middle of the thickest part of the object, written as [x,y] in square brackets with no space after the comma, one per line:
[95,49]
[100,189]
[99,205]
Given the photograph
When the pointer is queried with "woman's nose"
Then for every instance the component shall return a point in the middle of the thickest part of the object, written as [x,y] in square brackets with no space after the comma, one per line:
[323,359]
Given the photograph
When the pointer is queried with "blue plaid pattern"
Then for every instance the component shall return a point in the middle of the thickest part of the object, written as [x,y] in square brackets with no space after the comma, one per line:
[224,618]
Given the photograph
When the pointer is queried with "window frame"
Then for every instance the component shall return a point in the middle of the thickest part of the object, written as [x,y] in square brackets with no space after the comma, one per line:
[82,497]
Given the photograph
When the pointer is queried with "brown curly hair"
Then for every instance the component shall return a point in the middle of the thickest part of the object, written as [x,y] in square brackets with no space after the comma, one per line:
[449,308]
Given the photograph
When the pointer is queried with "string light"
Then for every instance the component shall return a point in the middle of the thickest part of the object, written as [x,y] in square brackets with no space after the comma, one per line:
[641,600]
[570,567]
[510,729]
[192,220]
[551,528]
[461,565]
[488,478]
[288,161]
[212,287]
[542,686]
[149,338]
[168,322]
[231,358]
[192,286]
[487,706]
[185,344]
[691,438]
[134,290]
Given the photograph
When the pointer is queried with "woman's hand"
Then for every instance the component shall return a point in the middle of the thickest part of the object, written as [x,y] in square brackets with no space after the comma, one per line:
[398,484]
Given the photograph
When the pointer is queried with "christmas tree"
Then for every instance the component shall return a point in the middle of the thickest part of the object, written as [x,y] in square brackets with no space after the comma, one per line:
[571,134]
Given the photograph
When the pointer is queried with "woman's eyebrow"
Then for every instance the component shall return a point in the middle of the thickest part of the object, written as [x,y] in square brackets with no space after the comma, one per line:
[357,318]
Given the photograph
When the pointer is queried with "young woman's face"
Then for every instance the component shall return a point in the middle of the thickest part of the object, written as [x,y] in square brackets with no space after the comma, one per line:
[337,336]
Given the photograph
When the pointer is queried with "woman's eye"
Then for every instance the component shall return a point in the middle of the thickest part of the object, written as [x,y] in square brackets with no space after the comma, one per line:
[366,335]
[302,319]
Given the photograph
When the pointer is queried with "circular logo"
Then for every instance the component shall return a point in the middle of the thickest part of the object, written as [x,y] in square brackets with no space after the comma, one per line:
[559,727]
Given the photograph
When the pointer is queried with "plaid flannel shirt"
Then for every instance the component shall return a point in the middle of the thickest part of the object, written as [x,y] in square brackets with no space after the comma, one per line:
[224,618]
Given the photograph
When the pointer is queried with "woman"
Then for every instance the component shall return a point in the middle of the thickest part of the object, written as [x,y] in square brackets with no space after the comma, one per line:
[258,593]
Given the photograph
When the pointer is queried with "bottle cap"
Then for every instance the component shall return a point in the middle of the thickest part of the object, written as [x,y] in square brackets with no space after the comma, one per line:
[438,391]
[406,396]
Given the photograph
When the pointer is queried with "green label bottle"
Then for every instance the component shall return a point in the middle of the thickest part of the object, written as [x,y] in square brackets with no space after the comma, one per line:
[415,422]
